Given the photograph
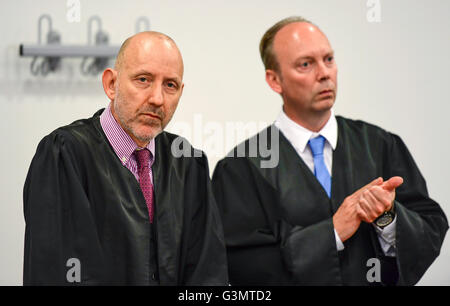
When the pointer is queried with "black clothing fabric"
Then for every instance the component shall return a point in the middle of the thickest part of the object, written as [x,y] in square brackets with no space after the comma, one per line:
[81,202]
[278,221]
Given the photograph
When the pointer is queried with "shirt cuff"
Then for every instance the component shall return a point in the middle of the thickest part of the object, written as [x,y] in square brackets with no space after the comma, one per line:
[388,232]
[339,244]
[386,236]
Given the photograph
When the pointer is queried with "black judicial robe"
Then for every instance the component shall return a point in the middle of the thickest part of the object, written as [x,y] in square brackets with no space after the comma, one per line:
[278,221]
[81,202]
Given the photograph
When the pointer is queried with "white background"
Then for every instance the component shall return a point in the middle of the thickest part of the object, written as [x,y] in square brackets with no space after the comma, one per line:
[394,74]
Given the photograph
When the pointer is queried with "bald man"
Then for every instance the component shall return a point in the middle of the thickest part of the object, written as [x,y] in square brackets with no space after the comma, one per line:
[346,204]
[107,202]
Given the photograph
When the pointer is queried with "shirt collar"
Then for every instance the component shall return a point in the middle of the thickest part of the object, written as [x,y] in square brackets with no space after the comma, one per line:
[123,145]
[299,136]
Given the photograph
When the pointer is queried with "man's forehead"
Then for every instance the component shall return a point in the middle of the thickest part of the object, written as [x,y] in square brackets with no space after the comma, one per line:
[145,54]
[298,30]
[302,35]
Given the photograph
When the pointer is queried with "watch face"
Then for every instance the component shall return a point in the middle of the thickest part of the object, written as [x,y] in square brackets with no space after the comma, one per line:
[384,219]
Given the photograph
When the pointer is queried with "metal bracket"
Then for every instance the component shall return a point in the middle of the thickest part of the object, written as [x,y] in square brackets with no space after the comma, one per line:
[95,54]
[101,38]
[49,63]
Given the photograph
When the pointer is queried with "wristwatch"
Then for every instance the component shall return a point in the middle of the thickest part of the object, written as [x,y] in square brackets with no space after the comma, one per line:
[386,218]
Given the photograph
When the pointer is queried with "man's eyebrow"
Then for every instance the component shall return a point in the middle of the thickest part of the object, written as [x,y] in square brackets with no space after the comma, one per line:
[174,79]
[141,72]
[303,57]
[145,72]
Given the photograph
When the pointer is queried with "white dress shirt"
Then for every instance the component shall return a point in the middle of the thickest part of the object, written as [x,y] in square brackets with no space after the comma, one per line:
[299,136]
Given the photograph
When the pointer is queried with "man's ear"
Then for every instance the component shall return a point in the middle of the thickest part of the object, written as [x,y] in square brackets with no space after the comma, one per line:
[109,80]
[273,79]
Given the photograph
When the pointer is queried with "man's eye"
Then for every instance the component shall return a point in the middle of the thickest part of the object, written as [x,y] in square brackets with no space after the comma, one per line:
[304,65]
[330,59]
[171,85]
[143,80]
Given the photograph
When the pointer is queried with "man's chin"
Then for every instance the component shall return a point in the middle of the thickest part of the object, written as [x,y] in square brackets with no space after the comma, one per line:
[324,104]
[150,134]
[144,135]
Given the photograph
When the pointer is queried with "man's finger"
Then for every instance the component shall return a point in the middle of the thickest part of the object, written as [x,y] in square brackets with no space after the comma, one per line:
[362,215]
[381,196]
[392,183]
[375,182]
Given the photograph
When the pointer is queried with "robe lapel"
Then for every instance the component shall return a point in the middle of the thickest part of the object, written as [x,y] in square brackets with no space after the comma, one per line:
[342,181]
[167,227]
[354,165]
[302,199]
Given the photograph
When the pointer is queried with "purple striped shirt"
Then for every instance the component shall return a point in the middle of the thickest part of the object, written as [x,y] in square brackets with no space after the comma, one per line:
[123,144]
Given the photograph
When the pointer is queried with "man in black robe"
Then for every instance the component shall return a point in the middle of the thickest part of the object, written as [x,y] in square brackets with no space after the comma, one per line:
[318,199]
[110,201]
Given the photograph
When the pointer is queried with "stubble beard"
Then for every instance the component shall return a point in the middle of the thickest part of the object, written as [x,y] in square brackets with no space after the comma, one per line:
[129,124]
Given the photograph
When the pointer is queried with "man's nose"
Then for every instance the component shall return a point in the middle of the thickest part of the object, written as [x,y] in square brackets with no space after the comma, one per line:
[156,96]
[323,72]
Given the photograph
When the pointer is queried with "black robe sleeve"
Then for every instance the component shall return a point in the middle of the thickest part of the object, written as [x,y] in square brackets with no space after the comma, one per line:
[52,189]
[262,248]
[421,223]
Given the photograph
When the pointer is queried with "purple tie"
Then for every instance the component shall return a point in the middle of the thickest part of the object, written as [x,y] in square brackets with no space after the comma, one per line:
[144,159]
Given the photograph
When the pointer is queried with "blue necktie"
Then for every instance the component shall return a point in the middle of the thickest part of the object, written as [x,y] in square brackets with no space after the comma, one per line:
[320,170]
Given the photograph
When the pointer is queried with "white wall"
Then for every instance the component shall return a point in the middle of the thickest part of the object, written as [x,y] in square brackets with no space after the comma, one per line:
[393,73]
